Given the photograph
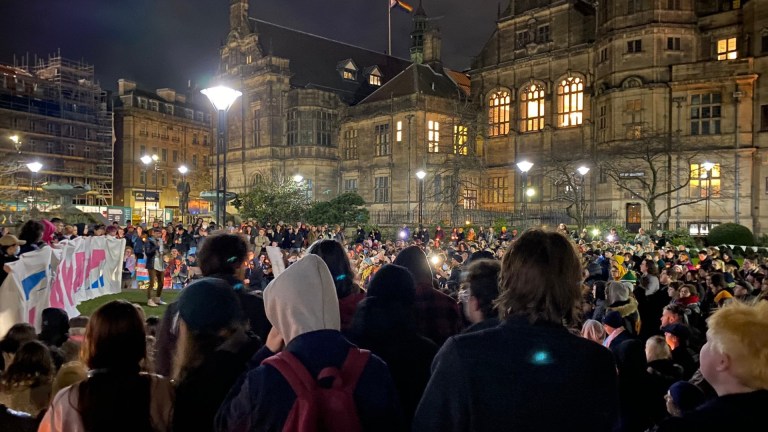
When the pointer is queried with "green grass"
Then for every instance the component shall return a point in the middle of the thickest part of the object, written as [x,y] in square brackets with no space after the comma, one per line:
[137,296]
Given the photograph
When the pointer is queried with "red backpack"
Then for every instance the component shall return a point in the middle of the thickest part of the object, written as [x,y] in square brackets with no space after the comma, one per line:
[320,409]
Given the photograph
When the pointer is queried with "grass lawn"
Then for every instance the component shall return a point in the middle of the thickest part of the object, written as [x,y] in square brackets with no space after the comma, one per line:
[137,296]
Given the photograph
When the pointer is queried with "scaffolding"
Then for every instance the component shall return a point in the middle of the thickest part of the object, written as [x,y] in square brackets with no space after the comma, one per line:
[63,119]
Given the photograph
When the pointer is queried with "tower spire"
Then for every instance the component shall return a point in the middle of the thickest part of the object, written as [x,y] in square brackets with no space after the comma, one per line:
[238,17]
[417,35]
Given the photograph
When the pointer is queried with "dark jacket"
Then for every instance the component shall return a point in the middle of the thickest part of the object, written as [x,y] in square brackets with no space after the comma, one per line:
[388,329]
[662,374]
[262,399]
[735,412]
[515,377]
[200,393]
[5,259]
[151,249]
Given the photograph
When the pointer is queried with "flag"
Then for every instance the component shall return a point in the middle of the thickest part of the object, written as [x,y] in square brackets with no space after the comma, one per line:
[400,4]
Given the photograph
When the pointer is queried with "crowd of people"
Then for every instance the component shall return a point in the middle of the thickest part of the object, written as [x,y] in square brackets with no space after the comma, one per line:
[427,331]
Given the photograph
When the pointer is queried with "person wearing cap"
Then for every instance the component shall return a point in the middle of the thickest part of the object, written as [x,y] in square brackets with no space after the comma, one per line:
[733,362]
[9,252]
[677,336]
[214,349]
[303,306]
[615,330]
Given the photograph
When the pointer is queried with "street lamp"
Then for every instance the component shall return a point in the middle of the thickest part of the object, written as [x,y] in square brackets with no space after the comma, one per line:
[221,98]
[34,168]
[298,178]
[147,160]
[524,167]
[707,174]
[420,175]
[582,170]
[183,190]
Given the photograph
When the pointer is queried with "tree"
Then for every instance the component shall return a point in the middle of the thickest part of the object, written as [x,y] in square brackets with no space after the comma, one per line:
[275,200]
[569,189]
[645,169]
[345,209]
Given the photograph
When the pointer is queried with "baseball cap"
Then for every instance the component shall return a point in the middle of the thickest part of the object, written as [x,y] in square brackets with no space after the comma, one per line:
[11,240]
[677,329]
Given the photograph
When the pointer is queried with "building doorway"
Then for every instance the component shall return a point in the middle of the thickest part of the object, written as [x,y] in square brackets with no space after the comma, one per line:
[634,217]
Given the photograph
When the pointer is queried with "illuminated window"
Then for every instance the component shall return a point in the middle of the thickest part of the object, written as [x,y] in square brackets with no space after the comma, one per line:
[726,49]
[705,113]
[399,132]
[498,114]
[350,144]
[460,138]
[348,74]
[433,136]
[704,183]
[532,108]
[570,101]
[470,199]
[374,79]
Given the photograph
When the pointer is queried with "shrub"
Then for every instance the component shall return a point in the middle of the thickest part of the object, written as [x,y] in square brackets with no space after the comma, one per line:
[731,233]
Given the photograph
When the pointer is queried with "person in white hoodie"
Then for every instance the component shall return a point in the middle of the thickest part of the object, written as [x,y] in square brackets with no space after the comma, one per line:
[302,305]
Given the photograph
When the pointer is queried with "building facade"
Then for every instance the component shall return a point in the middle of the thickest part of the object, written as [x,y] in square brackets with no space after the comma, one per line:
[54,112]
[567,83]
[173,129]
[296,89]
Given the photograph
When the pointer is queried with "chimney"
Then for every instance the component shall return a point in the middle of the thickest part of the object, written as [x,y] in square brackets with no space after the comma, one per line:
[124,86]
[168,94]
[432,47]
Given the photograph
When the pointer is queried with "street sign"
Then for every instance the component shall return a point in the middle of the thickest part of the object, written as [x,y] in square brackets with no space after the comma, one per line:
[149,197]
[121,215]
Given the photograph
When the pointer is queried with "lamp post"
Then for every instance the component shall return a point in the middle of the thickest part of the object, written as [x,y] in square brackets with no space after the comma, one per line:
[524,167]
[420,175]
[221,98]
[183,189]
[582,170]
[34,168]
[147,160]
[708,174]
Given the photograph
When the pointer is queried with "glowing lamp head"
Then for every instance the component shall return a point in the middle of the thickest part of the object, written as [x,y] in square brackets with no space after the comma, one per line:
[708,166]
[530,192]
[583,170]
[435,259]
[183,170]
[524,166]
[595,232]
[14,138]
[402,234]
[146,159]
[421,175]
[35,167]
[221,97]
[298,178]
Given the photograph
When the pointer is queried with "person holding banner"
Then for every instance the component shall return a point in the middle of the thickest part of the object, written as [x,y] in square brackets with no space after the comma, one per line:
[153,249]
[9,252]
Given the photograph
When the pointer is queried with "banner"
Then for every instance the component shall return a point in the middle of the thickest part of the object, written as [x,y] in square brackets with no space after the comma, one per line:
[75,271]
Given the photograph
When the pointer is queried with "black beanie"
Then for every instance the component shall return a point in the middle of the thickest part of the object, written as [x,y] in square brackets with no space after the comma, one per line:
[209,305]
[393,283]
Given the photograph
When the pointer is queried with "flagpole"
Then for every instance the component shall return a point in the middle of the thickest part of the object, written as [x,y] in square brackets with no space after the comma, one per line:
[389,28]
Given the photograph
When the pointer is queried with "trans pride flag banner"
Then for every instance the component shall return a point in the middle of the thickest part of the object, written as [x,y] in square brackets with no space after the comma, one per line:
[61,277]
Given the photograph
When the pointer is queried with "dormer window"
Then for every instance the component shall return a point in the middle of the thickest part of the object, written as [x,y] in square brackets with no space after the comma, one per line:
[348,70]
[374,76]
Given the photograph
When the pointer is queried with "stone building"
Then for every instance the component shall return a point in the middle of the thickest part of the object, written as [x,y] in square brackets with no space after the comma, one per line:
[296,88]
[54,112]
[571,83]
[176,128]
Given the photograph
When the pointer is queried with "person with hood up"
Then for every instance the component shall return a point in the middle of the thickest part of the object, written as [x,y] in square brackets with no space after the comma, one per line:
[618,299]
[303,307]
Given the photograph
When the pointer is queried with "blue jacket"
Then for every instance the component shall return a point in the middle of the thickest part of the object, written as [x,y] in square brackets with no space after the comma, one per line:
[262,398]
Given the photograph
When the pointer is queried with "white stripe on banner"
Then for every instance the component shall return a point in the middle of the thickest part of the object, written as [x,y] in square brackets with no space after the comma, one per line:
[75,271]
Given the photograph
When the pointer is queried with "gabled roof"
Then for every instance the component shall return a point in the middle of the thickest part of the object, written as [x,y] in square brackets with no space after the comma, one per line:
[420,78]
[314,61]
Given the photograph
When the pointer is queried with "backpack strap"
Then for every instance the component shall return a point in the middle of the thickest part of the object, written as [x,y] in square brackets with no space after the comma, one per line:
[293,371]
[351,370]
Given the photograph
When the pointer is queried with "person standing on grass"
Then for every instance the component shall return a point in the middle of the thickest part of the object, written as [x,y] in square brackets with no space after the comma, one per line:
[154,249]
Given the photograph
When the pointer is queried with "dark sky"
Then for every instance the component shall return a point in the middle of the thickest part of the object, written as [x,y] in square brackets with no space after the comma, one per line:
[164,43]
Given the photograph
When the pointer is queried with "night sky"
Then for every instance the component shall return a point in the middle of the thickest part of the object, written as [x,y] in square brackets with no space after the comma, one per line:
[165,43]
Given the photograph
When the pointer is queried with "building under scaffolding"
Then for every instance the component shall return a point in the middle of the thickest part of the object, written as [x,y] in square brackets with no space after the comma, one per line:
[54,112]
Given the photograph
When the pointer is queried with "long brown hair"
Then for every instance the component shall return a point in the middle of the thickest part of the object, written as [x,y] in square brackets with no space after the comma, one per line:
[32,365]
[540,279]
[115,397]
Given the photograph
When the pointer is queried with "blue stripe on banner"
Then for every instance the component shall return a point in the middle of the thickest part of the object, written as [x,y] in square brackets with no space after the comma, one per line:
[31,282]
[99,283]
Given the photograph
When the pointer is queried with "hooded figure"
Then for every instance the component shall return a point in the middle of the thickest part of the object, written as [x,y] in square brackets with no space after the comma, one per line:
[618,299]
[302,305]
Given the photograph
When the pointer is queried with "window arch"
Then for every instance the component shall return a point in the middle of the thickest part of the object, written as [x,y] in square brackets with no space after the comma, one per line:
[570,102]
[498,113]
[532,108]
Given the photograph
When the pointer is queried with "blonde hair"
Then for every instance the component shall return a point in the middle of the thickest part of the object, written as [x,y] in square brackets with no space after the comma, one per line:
[656,348]
[741,331]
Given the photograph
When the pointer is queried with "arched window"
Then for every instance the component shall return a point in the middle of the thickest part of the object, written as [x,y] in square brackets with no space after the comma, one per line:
[532,108]
[498,113]
[570,102]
